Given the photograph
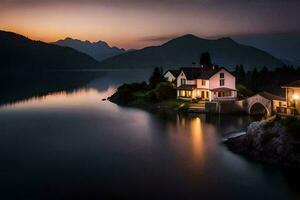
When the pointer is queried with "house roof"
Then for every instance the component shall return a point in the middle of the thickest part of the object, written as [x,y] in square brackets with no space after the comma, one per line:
[293,84]
[222,89]
[186,87]
[270,96]
[174,72]
[206,73]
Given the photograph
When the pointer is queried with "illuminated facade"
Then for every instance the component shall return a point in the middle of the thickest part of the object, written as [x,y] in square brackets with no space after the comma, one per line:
[208,83]
[292,98]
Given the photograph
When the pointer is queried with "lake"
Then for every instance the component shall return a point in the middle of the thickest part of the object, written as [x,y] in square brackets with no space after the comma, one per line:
[61,142]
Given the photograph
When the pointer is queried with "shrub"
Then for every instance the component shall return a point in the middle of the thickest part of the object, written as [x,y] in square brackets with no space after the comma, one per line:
[165,91]
[151,96]
[243,91]
[125,93]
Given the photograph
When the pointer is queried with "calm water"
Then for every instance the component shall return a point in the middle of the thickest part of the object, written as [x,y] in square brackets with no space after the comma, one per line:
[72,145]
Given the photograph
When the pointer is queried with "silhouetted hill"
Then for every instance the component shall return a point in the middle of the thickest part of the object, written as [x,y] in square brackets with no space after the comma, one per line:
[21,53]
[182,51]
[284,45]
[99,50]
[297,63]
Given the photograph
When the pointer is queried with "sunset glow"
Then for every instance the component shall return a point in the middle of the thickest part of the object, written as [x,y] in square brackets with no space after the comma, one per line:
[135,24]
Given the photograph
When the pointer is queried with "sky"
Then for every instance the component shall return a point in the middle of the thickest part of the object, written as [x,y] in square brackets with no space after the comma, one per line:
[139,23]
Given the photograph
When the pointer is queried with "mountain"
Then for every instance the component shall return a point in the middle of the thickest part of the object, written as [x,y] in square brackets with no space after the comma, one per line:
[184,50]
[99,50]
[297,63]
[285,46]
[19,52]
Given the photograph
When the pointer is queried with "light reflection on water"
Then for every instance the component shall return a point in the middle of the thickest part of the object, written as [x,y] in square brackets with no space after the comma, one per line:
[68,145]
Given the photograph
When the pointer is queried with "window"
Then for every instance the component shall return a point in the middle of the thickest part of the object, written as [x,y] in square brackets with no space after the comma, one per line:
[224,94]
[182,93]
[222,79]
[182,81]
[202,94]
[185,93]
[222,82]
[207,95]
[203,82]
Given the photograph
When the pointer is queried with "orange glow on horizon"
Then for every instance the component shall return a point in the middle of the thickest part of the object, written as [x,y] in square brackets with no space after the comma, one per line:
[136,24]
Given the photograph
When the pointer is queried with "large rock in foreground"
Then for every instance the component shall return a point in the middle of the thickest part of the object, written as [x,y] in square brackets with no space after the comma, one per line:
[266,141]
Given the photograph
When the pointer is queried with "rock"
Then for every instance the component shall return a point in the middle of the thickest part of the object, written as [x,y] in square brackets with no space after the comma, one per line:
[265,141]
[103,99]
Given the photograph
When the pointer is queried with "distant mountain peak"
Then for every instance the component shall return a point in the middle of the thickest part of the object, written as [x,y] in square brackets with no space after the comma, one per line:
[20,53]
[99,50]
[189,36]
[186,37]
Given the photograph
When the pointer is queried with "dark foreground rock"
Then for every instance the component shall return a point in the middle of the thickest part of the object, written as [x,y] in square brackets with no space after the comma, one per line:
[266,141]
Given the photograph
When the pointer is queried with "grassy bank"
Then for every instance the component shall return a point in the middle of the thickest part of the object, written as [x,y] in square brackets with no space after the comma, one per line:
[142,95]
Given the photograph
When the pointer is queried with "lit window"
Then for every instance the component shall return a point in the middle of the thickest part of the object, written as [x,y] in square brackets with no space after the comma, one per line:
[182,93]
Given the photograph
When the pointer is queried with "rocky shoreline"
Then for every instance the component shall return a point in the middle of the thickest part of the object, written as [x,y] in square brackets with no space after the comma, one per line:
[267,141]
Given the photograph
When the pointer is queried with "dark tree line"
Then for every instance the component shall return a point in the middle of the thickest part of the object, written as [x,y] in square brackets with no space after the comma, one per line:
[265,79]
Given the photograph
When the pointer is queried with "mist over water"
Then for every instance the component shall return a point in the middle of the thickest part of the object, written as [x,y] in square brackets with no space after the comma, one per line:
[61,141]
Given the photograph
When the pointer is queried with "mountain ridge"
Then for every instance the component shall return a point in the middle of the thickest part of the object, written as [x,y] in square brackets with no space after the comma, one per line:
[20,52]
[186,49]
[99,50]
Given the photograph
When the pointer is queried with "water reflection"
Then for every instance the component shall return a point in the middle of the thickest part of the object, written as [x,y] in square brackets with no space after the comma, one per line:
[72,144]
[197,138]
[63,99]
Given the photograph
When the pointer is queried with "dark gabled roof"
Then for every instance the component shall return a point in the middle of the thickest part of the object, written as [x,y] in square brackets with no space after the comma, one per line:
[293,84]
[186,87]
[191,72]
[174,72]
[206,73]
[270,96]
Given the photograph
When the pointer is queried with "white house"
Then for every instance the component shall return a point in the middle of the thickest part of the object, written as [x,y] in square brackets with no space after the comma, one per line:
[171,75]
[207,83]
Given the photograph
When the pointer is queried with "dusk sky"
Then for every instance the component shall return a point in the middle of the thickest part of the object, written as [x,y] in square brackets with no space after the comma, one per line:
[138,23]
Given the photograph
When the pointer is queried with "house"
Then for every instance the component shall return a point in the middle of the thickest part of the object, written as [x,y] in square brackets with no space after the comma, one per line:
[207,83]
[292,106]
[171,75]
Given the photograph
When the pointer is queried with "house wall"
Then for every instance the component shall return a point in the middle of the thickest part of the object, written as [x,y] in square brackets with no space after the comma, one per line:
[277,103]
[214,81]
[293,102]
[181,76]
[188,82]
[202,93]
[191,82]
[229,82]
[169,76]
[199,84]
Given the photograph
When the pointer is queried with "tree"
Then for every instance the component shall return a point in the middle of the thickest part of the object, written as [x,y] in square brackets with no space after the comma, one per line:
[205,59]
[156,77]
[254,80]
